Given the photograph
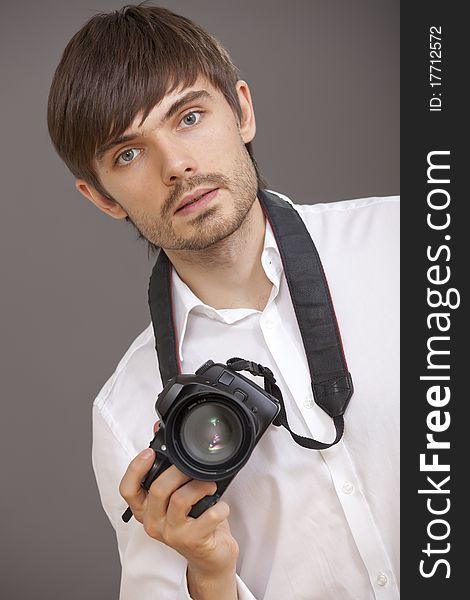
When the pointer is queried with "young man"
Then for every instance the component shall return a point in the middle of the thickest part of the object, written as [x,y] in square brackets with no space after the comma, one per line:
[147,111]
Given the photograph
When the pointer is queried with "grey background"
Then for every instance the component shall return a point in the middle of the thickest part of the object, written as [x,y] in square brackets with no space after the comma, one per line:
[324,78]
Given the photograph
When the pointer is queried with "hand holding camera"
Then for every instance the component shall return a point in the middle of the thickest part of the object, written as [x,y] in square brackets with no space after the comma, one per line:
[205,542]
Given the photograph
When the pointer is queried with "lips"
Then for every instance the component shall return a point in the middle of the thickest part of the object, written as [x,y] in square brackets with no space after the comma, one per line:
[194,197]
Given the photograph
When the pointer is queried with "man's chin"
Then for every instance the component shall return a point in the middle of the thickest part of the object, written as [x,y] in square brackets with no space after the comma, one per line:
[207,230]
[206,238]
[200,243]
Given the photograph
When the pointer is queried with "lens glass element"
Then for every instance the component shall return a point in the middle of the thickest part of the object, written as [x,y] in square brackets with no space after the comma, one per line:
[211,432]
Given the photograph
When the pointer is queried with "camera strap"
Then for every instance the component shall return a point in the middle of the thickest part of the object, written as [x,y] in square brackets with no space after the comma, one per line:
[240,364]
[331,382]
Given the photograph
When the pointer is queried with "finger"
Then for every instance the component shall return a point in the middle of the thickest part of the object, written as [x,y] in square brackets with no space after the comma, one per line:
[183,499]
[161,490]
[130,488]
[215,515]
[156,426]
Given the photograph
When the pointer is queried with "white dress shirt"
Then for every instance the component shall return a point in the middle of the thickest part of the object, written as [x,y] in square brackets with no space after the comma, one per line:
[311,525]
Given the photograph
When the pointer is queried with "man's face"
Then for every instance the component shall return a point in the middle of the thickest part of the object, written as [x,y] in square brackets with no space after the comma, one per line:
[190,143]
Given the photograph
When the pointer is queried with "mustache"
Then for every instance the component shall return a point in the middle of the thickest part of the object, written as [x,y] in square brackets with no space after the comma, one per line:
[181,189]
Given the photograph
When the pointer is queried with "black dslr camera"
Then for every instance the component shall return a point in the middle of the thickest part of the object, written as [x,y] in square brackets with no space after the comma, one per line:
[210,424]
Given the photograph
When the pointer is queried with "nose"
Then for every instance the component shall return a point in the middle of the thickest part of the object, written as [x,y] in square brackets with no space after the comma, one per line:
[178,162]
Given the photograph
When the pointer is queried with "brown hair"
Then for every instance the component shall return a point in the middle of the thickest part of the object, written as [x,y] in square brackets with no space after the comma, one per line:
[120,64]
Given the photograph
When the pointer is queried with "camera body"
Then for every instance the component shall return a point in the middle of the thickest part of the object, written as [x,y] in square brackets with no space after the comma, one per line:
[210,423]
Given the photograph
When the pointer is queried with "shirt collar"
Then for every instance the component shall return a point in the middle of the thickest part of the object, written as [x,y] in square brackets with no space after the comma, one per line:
[185,301]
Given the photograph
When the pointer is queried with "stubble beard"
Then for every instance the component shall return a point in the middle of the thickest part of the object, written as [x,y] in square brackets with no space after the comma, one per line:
[209,226]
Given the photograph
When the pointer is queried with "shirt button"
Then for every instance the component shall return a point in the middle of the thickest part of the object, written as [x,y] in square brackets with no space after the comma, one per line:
[382,579]
[348,488]
[269,324]
[308,402]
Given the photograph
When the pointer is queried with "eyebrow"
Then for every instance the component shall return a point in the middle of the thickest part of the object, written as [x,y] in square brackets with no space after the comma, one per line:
[173,109]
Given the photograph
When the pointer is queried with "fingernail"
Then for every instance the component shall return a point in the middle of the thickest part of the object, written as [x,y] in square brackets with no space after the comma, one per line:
[145,454]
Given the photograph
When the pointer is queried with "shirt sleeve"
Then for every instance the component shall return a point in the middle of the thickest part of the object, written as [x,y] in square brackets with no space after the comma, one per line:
[150,570]
[243,593]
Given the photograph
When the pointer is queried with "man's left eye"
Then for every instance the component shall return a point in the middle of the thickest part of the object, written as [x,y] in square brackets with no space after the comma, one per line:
[192,118]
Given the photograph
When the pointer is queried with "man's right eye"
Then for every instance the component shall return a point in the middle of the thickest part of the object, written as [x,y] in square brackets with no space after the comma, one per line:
[126,157]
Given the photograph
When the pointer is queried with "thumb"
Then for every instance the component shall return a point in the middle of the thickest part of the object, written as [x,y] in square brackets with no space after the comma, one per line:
[130,488]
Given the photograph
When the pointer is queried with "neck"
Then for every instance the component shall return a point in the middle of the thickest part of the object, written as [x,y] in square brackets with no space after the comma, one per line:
[229,274]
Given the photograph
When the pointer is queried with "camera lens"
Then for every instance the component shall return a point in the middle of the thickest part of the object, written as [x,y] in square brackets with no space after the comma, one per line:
[211,432]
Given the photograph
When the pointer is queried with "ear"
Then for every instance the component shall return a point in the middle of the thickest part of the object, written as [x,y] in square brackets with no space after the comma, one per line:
[106,205]
[248,124]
